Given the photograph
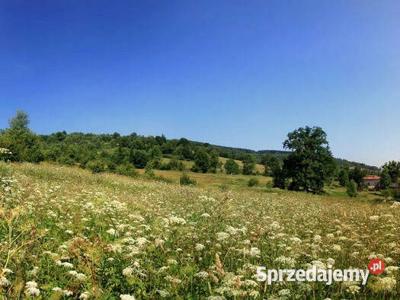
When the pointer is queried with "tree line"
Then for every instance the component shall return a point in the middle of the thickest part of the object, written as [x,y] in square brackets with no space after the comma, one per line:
[306,165]
[118,153]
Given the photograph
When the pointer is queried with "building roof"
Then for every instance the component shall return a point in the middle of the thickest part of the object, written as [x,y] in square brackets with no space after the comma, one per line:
[372,177]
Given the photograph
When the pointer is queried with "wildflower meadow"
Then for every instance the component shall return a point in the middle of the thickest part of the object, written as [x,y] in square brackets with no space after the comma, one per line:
[68,234]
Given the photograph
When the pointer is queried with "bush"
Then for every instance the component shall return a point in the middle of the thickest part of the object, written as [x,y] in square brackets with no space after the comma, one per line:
[139,158]
[231,167]
[248,165]
[386,180]
[343,177]
[351,188]
[186,180]
[126,170]
[148,171]
[96,166]
[173,164]
[201,161]
[252,182]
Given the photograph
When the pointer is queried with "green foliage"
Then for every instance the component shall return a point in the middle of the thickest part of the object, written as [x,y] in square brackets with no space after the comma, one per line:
[155,153]
[252,182]
[148,171]
[96,166]
[343,176]
[351,188]
[23,144]
[126,169]
[201,161]
[311,163]
[214,161]
[357,174]
[273,168]
[270,163]
[173,164]
[139,158]
[186,180]
[279,178]
[393,169]
[248,165]
[231,167]
[20,121]
[387,193]
[385,180]
[184,149]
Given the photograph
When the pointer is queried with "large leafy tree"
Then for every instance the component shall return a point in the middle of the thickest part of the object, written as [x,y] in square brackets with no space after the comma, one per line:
[20,140]
[393,168]
[310,163]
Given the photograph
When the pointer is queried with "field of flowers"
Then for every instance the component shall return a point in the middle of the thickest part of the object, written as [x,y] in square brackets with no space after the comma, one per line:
[68,234]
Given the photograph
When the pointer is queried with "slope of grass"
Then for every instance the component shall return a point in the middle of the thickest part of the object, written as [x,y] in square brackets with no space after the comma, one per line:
[67,233]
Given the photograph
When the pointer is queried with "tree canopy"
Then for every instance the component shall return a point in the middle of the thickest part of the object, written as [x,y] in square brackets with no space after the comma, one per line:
[310,164]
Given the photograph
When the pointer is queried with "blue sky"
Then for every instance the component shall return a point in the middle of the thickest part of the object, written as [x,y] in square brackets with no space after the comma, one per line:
[235,73]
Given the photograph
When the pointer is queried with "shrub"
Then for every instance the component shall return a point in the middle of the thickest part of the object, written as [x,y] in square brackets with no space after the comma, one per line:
[173,164]
[248,165]
[387,193]
[357,174]
[186,180]
[148,171]
[351,188]
[126,169]
[139,158]
[252,182]
[201,161]
[215,164]
[231,167]
[343,177]
[385,180]
[96,166]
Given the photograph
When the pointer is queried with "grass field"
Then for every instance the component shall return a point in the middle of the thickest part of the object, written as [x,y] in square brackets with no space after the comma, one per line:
[189,164]
[212,180]
[66,233]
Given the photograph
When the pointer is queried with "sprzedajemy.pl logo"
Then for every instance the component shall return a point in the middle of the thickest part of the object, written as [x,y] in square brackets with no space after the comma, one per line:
[315,274]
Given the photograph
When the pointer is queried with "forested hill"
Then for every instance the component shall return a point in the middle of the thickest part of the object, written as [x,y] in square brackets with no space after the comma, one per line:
[112,152]
[67,146]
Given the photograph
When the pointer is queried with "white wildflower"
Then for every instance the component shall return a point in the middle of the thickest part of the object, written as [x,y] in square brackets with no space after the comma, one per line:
[199,247]
[221,236]
[127,271]
[31,288]
[254,252]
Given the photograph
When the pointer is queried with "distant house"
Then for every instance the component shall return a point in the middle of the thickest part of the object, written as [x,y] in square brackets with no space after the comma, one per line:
[371,181]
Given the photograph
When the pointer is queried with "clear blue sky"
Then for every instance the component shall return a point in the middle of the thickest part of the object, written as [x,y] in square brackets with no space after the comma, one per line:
[235,73]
